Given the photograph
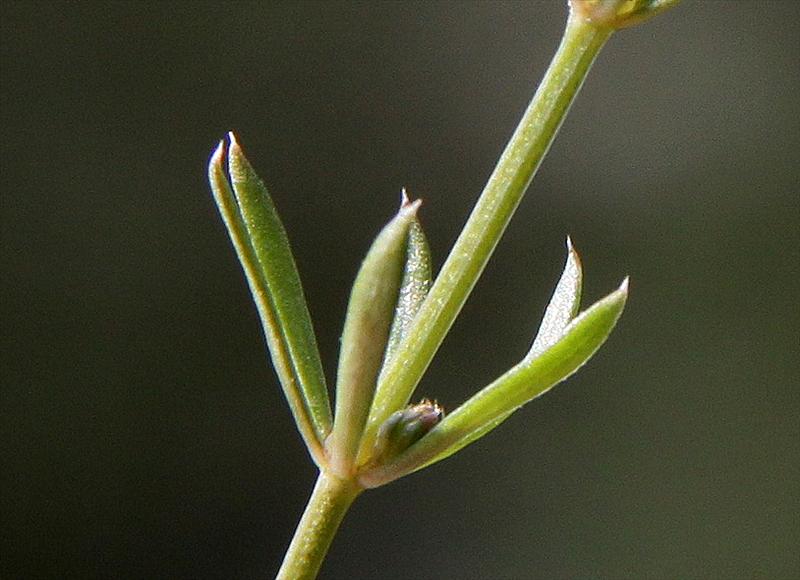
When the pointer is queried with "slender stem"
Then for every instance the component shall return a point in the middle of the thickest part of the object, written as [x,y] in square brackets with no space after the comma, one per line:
[580,45]
[325,510]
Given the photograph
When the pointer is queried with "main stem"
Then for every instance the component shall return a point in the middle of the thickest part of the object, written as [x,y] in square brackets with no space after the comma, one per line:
[326,508]
[527,147]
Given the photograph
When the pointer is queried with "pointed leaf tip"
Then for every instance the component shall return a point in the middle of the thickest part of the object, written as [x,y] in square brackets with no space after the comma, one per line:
[240,169]
[411,207]
[218,154]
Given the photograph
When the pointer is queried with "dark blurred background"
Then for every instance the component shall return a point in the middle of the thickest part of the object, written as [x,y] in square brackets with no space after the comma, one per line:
[142,431]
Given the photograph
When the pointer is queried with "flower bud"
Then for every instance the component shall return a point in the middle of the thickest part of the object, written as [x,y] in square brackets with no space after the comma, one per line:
[404,428]
[619,13]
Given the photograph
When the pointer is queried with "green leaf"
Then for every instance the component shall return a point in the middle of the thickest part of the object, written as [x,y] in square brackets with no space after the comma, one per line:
[364,339]
[414,286]
[526,381]
[413,289]
[563,305]
[468,438]
[263,249]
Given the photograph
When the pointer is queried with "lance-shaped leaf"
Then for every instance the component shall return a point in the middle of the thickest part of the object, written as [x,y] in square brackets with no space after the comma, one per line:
[529,379]
[366,332]
[563,305]
[413,289]
[263,249]
[414,286]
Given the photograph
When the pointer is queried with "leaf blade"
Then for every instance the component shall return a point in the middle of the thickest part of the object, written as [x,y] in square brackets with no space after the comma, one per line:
[366,331]
[413,288]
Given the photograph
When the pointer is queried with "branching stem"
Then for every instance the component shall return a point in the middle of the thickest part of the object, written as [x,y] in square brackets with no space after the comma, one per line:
[332,497]
[579,47]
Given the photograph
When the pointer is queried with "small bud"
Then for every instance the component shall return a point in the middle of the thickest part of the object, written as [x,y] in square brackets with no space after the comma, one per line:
[404,428]
[619,13]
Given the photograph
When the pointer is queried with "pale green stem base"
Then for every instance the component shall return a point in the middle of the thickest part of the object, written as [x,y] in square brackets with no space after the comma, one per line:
[326,508]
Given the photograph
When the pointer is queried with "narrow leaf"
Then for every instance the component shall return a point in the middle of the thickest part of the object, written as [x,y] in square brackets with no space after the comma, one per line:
[366,332]
[263,249]
[526,381]
[563,305]
[414,286]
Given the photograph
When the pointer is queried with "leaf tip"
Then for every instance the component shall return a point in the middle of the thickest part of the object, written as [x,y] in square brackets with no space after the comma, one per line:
[623,288]
[573,256]
[217,157]
[404,199]
[406,205]
[235,153]
[410,208]
[238,165]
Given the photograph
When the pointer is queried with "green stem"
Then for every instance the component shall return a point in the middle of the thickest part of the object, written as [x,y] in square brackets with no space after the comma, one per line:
[580,45]
[325,510]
